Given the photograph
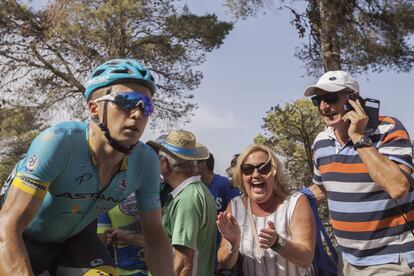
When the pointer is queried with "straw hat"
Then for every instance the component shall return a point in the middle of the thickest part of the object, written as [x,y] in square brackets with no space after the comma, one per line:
[181,144]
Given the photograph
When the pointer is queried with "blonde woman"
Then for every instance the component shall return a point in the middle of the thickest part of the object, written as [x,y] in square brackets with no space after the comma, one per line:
[273,232]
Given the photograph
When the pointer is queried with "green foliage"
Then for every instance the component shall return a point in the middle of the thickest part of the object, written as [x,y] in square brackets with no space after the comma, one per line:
[290,131]
[246,8]
[18,127]
[46,55]
[355,36]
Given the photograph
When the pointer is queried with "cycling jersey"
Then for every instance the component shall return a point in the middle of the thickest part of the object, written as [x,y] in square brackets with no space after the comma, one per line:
[129,259]
[59,168]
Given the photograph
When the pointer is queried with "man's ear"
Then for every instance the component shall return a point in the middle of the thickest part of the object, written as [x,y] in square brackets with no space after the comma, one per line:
[355,94]
[201,165]
[93,108]
[167,164]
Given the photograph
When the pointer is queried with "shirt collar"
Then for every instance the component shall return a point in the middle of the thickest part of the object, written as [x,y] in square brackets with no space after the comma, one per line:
[330,131]
[184,184]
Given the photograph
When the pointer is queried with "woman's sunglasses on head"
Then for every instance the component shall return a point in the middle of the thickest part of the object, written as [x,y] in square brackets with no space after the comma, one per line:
[263,168]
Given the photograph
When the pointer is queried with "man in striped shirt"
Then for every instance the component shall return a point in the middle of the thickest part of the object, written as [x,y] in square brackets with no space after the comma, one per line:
[365,173]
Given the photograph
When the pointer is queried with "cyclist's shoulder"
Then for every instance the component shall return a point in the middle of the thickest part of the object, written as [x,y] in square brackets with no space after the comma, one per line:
[61,132]
[144,155]
[71,128]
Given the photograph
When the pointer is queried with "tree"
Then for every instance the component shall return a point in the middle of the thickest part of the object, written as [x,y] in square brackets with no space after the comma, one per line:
[355,36]
[18,126]
[290,131]
[45,55]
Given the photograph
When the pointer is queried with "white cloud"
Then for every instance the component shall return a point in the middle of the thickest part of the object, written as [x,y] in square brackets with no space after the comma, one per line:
[211,119]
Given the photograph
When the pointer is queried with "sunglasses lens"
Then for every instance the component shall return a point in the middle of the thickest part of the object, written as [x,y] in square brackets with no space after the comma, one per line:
[148,107]
[247,169]
[330,98]
[316,101]
[131,100]
[265,168]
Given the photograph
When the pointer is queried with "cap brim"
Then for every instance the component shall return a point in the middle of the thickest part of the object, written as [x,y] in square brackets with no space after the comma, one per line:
[327,87]
[200,152]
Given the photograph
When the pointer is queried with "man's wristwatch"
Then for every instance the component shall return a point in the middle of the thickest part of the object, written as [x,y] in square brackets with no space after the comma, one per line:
[279,244]
[363,142]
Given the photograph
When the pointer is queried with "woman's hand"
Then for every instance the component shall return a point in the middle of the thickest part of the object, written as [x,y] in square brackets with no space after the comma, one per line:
[229,228]
[268,236]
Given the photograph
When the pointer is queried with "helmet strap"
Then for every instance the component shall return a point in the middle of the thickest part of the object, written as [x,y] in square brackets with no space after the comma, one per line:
[112,142]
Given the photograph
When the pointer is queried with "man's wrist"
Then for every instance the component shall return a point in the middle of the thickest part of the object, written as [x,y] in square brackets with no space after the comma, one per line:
[363,142]
[232,248]
[356,138]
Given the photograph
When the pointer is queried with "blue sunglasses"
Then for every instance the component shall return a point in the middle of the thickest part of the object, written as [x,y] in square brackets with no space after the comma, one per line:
[130,101]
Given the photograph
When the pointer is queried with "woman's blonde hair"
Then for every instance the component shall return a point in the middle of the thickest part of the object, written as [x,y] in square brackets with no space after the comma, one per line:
[281,179]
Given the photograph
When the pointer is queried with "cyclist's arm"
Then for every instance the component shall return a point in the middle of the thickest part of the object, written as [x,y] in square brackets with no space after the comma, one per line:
[17,212]
[158,250]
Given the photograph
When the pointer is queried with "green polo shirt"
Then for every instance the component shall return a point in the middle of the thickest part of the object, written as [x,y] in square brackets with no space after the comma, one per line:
[189,218]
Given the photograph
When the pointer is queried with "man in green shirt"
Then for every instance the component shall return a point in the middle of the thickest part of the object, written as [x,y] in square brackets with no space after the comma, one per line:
[189,216]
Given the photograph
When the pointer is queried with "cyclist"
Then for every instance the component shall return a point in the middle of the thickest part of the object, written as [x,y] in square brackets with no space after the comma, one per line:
[75,171]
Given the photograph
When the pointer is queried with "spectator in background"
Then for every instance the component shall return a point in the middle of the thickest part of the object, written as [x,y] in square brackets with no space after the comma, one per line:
[219,186]
[165,189]
[364,170]
[190,212]
[120,229]
[273,232]
[230,169]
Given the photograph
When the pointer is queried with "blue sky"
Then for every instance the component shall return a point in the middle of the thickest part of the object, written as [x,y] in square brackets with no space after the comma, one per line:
[255,69]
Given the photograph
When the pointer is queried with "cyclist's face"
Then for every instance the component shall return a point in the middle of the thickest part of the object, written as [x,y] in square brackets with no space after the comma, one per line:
[126,126]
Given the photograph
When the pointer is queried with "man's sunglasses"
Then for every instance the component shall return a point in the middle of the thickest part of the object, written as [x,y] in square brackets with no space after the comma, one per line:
[130,101]
[330,98]
[263,168]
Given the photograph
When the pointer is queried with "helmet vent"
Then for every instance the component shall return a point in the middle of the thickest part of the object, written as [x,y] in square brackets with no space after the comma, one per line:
[98,72]
[112,62]
[143,72]
[121,71]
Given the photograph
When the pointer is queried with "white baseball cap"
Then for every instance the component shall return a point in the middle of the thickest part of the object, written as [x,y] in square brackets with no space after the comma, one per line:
[333,81]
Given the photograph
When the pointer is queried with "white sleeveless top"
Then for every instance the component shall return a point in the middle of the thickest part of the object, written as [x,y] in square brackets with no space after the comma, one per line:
[254,263]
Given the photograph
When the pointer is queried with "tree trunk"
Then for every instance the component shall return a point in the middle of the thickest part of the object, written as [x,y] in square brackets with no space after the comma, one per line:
[329,38]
